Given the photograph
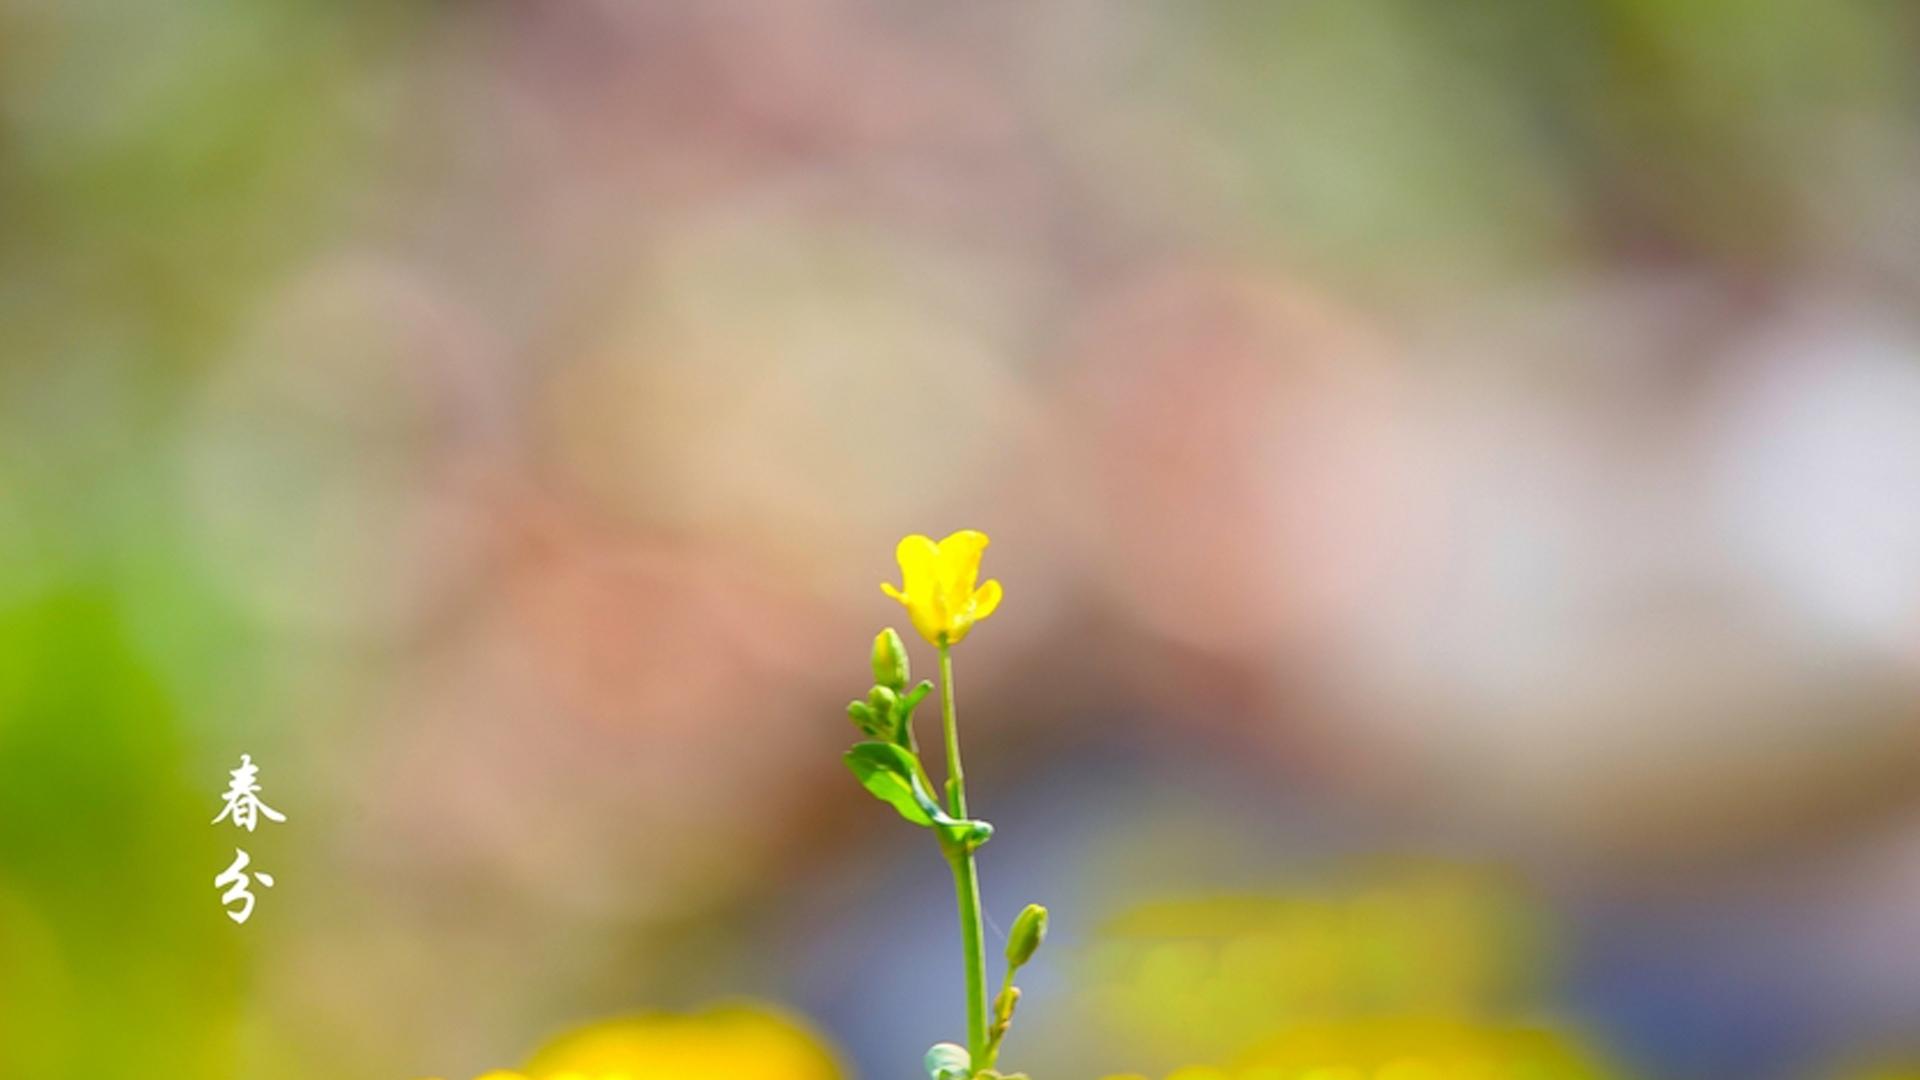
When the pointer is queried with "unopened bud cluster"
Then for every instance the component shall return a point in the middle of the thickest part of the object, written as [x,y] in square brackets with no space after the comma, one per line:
[887,712]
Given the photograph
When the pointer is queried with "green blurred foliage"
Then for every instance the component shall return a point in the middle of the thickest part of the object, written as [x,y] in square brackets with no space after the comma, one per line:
[117,963]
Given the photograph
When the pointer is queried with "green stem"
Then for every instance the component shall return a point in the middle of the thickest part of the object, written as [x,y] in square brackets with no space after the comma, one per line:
[966,877]
[996,1033]
[966,886]
[950,723]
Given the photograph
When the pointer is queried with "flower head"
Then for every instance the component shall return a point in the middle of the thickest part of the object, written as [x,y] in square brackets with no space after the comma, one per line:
[739,1042]
[937,585]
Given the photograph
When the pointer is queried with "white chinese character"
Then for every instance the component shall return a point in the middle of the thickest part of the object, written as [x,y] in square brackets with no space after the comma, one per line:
[235,882]
[243,798]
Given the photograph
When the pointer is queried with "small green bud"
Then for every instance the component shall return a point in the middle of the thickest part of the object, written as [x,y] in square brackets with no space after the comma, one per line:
[946,1061]
[1003,1007]
[860,714]
[883,702]
[890,660]
[1029,930]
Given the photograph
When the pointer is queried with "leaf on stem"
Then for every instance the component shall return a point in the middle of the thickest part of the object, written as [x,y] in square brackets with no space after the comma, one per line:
[894,776]
[948,1061]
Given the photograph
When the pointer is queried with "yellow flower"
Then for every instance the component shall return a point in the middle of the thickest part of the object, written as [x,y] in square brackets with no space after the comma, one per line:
[730,1042]
[742,1042]
[937,585]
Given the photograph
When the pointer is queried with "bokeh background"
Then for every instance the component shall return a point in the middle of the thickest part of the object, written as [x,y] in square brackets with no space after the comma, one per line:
[1454,468]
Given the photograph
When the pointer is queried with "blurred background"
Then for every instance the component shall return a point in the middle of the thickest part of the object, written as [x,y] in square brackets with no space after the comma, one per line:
[1454,469]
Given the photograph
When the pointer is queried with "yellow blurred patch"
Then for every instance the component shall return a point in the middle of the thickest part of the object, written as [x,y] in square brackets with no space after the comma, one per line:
[1199,977]
[727,1043]
[1420,1049]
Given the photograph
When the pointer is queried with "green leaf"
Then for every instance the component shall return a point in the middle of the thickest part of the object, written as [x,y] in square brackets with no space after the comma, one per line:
[913,697]
[947,1061]
[903,713]
[894,777]
[967,834]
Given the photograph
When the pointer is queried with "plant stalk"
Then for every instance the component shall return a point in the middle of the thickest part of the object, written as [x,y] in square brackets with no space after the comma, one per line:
[966,876]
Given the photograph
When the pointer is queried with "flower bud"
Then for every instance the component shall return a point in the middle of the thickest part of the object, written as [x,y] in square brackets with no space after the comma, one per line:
[883,702]
[861,715]
[890,660]
[1003,1007]
[1029,930]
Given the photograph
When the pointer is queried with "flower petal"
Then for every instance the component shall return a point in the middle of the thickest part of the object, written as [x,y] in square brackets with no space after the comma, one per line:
[960,561]
[930,624]
[919,559]
[985,599]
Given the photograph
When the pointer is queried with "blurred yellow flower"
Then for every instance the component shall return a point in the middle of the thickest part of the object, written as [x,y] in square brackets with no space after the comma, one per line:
[937,585]
[732,1043]
[741,1042]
